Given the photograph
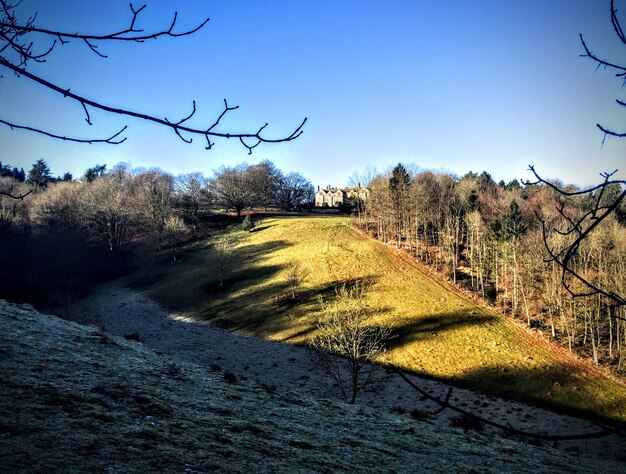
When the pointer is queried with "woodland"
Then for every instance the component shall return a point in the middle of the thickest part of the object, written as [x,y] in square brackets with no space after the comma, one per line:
[64,235]
[494,240]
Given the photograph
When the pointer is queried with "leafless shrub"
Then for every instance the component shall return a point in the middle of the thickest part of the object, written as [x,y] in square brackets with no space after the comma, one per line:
[295,274]
[347,343]
[222,251]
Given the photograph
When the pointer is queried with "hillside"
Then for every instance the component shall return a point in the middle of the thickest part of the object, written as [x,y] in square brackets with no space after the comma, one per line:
[75,399]
[439,332]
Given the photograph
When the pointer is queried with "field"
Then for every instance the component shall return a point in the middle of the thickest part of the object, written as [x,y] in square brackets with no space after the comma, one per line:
[126,408]
[438,331]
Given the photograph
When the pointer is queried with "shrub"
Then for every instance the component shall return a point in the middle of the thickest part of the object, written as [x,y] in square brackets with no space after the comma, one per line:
[248,224]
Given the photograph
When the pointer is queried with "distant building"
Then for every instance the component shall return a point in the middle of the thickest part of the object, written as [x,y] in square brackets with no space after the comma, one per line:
[337,197]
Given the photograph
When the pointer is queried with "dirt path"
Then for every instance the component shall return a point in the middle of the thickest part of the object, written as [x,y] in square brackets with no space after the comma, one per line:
[123,311]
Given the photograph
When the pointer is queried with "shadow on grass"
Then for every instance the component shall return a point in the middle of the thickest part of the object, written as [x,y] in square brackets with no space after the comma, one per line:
[145,281]
[428,327]
[326,292]
[551,386]
[255,252]
[270,308]
[262,227]
[51,268]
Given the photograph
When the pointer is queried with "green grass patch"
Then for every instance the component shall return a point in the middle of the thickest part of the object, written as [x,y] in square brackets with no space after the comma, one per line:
[438,331]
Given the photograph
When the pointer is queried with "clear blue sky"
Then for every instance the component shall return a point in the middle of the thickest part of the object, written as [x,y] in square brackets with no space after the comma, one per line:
[449,85]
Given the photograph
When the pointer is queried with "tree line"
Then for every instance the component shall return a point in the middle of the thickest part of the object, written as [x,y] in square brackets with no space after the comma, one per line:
[92,228]
[488,238]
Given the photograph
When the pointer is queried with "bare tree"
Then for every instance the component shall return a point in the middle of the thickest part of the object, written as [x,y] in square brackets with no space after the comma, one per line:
[292,191]
[11,200]
[193,196]
[155,190]
[175,232]
[23,41]
[232,188]
[58,208]
[295,274]
[264,179]
[222,253]
[347,342]
[109,211]
[13,189]
[603,203]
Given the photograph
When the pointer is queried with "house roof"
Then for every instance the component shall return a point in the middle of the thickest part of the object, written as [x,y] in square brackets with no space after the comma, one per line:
[335,190]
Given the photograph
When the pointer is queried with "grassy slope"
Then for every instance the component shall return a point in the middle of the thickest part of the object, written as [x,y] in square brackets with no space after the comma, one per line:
[440,332]
[74,399]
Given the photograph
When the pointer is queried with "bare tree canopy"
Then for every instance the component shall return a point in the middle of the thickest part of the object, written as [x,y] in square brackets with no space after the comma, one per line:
[23,41]
[293,190]
[232,189]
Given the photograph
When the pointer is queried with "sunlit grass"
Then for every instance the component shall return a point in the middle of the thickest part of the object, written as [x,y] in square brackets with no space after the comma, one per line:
[439,332]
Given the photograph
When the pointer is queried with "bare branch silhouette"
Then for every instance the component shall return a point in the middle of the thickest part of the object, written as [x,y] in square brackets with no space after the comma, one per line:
[580,228]
[15,38]
[9,191]
[507,428]
[620,68]
[111,140]
[16,196]
[11,29]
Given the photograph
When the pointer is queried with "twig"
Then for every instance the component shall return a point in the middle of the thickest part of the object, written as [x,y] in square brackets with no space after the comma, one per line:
[111,140]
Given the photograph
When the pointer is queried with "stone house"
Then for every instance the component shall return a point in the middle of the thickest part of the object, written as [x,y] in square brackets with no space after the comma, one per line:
[337,197]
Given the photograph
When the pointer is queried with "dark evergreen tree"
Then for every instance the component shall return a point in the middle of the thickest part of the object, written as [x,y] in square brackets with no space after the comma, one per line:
[40,174]
[472,203]
[469,175]
[513,224]
[485,182]
[92,174]
[513,185]
[399,183]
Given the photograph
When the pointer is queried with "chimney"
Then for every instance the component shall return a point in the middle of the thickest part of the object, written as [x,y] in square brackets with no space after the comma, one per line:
[358,184]
[318,189]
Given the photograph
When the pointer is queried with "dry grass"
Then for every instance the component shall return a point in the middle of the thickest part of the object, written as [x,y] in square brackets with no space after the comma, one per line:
[438,331]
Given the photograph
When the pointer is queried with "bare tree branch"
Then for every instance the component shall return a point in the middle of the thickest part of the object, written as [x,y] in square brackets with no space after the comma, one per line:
[607,131]
[122,35]
[110,140]
[177,127]
[508,428]
[601,62]
[616,24]
[581,228]
[16,196]
[620,68]
[13,34]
